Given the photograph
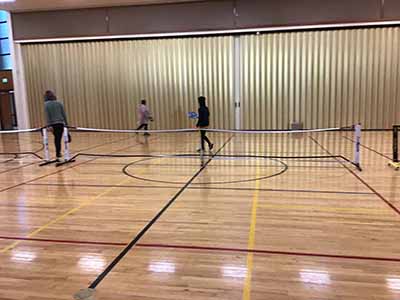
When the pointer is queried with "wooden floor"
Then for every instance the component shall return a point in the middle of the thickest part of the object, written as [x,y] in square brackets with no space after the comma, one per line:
[306,229]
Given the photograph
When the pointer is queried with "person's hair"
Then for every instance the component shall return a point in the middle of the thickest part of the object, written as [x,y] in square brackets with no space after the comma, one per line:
[143,101]
[202,101]
[49,96]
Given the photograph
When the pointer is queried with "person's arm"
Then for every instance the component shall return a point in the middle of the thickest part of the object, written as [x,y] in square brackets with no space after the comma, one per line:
[47,114]
[64,114]
[201,117]
[146,113]
[150,115]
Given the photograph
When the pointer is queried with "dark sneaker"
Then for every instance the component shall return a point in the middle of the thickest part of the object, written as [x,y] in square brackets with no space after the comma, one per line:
[211,146]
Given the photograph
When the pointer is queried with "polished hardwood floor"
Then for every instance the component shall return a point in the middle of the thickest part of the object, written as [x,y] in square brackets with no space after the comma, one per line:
[244,228]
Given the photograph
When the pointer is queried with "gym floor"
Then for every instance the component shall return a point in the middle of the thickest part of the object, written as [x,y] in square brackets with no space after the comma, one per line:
[236,228]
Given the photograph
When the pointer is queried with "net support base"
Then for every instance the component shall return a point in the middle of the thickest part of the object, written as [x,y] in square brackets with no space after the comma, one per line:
[48,162]
[85,294]
[394,165]
[358,166]
[61,163]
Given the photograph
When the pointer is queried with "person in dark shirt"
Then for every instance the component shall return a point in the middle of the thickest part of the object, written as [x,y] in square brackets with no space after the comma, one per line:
[204,122]
[56,119]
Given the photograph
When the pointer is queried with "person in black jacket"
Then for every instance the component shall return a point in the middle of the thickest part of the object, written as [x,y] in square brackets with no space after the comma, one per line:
[204,122]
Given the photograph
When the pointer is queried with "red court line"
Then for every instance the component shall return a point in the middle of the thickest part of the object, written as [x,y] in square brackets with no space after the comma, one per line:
[394,208]
[202,188]
[203,248]
[273,252]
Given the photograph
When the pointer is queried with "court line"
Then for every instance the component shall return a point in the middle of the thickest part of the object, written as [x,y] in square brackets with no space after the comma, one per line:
[217,166]
[369,148]
[316,209]
[37,162]
[205,188]
[63,216]
[71,211]
[394,208]
[70,167]
[18,168]
[111,266]
[251,241]
[7,160]
[205,248]
[57,241]
[283,169]
[258,251]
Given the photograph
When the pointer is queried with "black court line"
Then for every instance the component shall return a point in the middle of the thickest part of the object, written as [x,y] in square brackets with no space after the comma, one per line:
[67,168]
[369,148]
[17,168]
[106,143]
[392,206]
[23,154]
[8,160]
[215,166]
[202,188]
[283,168]
[37,162]
[116,260]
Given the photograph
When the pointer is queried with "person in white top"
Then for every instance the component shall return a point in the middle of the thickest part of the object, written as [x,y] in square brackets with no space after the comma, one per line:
[144,116]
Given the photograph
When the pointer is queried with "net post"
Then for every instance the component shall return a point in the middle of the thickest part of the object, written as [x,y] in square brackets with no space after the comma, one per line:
[357,146]
[46,144]
[66,145]
[395,163]
[396,143]
[47,159]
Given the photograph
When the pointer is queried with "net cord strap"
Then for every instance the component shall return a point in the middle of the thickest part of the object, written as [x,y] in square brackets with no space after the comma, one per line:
[180,130]
[209,130]
[21,130]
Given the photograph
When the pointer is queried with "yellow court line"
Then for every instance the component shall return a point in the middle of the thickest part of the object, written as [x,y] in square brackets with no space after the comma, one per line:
[311,208]
[71,211]
[251,241]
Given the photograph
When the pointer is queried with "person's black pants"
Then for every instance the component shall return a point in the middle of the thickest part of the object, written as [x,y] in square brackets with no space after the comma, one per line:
[204,138]
[58,130]
[145,126]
